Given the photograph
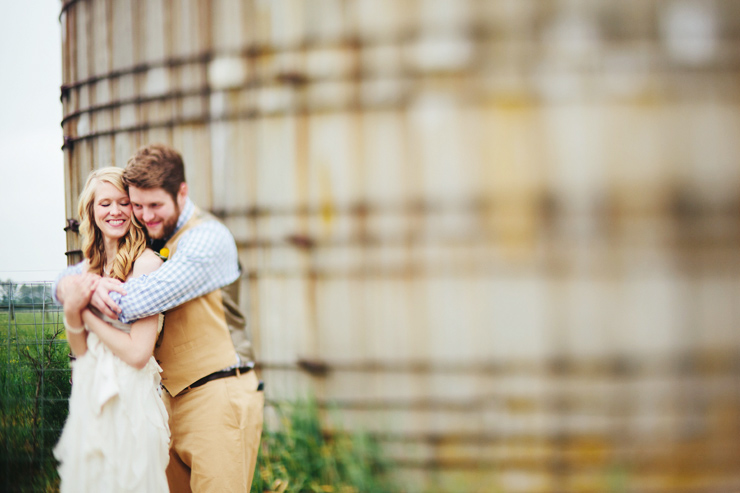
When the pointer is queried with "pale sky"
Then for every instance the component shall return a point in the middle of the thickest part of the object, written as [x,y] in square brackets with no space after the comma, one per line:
[32,216]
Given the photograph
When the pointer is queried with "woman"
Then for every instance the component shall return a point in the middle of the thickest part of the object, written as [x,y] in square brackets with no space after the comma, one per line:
[116,435]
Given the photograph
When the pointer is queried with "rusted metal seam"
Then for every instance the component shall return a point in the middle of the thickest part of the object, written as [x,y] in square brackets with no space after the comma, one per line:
[465,437]
[426,207]
[409,239]
[201,91]
[66,5]
[404,272]
[248,53]
[369,240]
[200,58]
[250,114]
[533,465]
[291,78]
[399,241]
[70,141]
[285,79]
[236,116]
[621,367]
[242,115]
[138,68]
[204,91]
[412,206]
[578,403]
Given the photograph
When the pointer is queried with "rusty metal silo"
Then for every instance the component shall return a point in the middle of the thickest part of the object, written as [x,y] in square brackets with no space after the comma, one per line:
[501,234]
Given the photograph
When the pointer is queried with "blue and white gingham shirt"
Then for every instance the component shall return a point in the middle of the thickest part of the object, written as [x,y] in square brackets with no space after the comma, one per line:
[205,260]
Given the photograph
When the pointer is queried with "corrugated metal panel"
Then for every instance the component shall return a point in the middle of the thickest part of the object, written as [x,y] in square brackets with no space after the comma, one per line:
[501,234]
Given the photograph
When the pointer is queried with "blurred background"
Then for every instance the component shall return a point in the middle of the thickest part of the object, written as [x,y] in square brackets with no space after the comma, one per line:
[500,235]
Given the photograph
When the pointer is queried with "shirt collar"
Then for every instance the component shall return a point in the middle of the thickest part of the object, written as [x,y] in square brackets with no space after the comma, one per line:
[185,215]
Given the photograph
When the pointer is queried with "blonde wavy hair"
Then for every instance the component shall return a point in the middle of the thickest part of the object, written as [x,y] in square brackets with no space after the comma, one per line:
[130,246]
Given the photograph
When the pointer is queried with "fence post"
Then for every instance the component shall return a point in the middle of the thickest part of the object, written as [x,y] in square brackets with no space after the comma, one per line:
[11,304]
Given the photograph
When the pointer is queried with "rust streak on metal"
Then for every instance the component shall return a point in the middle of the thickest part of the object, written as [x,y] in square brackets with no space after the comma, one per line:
[315,368]
[293,78]
[301,241]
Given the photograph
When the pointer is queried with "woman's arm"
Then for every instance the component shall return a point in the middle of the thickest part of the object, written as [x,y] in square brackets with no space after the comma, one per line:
[77,340]
[80,291]
[134,348]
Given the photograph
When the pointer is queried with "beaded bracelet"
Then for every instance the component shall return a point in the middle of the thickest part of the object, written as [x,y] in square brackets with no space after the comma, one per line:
[72,330]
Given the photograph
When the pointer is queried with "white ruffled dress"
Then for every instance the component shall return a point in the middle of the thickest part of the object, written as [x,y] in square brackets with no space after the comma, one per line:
[116,438]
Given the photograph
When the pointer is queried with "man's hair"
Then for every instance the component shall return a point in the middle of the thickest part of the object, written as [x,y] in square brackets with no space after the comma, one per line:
[155,166]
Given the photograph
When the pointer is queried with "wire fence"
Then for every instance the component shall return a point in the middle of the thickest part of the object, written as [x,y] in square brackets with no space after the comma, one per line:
[34,386]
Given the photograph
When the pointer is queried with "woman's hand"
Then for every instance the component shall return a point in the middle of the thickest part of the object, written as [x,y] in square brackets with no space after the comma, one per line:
[78,293]
[80,289]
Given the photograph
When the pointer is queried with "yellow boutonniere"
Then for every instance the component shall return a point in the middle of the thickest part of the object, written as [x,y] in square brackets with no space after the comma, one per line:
[164,253]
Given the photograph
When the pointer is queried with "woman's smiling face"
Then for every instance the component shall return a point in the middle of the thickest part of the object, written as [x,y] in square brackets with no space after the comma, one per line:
[112,210]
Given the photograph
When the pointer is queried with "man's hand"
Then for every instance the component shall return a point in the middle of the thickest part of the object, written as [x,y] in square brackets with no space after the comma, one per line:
[101,297]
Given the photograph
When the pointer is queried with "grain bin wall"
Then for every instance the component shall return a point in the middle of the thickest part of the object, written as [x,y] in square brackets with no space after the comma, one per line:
[503,235]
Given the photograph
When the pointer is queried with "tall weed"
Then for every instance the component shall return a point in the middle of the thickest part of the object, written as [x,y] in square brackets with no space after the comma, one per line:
[300,457]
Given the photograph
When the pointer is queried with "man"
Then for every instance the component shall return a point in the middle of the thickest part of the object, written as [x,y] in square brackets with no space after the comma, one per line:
[212,395]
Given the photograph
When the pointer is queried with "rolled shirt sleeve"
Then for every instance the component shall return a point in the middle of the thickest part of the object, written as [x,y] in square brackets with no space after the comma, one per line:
[69,271]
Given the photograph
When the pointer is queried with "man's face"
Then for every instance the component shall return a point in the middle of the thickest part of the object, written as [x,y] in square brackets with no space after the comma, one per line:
[155,209]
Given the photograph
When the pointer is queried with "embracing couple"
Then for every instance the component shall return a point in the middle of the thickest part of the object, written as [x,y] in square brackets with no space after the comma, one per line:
[164,395]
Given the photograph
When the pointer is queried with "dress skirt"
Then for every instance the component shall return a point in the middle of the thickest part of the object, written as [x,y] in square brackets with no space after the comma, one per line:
[116,438]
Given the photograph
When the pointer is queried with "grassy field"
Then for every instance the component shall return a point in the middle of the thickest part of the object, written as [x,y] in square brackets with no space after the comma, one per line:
[34,386]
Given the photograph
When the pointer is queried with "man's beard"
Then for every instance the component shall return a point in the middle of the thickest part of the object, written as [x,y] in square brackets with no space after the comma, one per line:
[168,226]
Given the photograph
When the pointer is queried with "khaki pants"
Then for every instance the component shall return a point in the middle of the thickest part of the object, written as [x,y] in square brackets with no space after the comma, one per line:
[216,431]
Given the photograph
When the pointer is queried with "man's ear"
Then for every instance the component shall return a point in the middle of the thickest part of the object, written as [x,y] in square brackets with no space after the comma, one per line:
[182,195]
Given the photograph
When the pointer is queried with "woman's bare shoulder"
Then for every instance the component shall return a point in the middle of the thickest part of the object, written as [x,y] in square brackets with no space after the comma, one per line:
[148,262]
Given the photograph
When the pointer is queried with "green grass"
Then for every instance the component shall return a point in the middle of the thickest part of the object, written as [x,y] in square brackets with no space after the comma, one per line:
[301,457]
[34,388]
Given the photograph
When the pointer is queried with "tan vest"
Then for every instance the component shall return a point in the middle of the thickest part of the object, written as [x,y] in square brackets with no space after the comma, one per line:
[195,340]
